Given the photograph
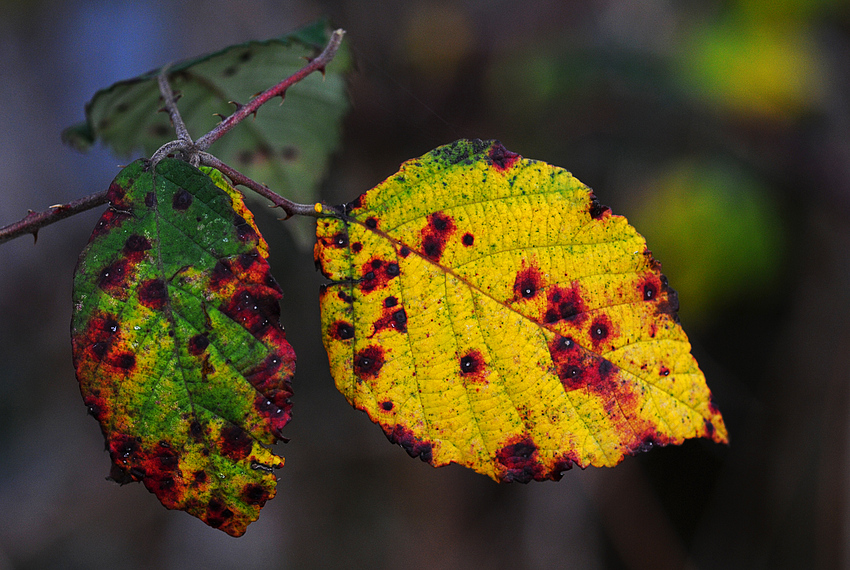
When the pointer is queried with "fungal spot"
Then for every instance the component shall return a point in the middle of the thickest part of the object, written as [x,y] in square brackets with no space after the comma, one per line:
[596,209]
[340,240]
[414,446]
[468,365]
[468,239]
[343,330]
[235,442]
[564,343]
[371,223]
[112,278]
[153,294]
[502,158]
[244,231]
[519,461]
[599,331]
[404,251]
[255,494]
[400,318]
[564,304]
[356,247]
[435,235]
[527,282]
[368,362]
[649,292]
[376,263]
[390,302]
[393,269]
[181,200]
[196,431]
[125,360]
[136,243]
[387,405]
[198,344]
[664,371]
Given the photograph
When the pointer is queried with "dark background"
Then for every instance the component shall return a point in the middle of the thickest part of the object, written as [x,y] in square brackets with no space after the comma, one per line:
[721,129]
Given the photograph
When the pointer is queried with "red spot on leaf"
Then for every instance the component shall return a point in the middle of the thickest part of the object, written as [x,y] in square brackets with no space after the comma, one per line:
[110,220]
[377,273]
[254,494]
[414,446]
[245,232]
[472,367]
[114,278]
[436,234]
[519,461]
[597,210]
[564,304]
[235,442]
[136,243]
[501,158]
[356,247]
[601,330]
[198,344]
[368,362]
[341,330]
[528,283]
[153,294]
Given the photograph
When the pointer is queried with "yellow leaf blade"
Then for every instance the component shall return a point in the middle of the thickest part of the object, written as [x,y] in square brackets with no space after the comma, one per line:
[485,310]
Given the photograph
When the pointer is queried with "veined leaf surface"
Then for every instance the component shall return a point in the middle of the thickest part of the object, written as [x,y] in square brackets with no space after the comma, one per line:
[177,343]
[288,149]
[486,310]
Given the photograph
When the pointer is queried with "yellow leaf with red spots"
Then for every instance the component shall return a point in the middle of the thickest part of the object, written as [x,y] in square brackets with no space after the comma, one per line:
[485,310]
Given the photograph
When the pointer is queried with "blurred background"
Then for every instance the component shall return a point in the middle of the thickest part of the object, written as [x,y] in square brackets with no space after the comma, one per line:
[721,129]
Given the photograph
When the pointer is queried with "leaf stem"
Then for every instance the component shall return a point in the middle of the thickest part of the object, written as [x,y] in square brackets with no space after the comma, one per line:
[34,221]
[242,111]
[291,208]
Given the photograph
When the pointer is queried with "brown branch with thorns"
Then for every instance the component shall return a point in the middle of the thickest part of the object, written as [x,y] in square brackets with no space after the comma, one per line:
[194,152]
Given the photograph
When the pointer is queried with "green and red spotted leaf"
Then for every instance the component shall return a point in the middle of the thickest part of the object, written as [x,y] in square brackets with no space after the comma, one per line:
[178,346]
[288,150]
[486,310]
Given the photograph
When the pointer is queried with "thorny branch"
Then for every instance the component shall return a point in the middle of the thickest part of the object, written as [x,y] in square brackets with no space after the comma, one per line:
[237,178]
[194,152]
[34,221]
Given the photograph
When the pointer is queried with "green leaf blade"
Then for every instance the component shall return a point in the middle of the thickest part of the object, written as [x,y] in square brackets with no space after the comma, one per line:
[177,344]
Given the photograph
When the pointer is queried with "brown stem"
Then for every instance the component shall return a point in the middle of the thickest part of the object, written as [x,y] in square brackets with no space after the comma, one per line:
[291,208]
[242,112]
[34,221]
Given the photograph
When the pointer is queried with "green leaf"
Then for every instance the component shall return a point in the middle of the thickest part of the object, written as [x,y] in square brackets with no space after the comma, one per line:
[288,149]
[177,344]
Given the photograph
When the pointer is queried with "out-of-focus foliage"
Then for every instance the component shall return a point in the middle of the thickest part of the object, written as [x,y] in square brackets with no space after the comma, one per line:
[717,232]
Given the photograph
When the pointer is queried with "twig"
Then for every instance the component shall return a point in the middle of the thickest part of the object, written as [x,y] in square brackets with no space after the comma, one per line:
[194,152]
[34,221]
[171,107]
[291,208]
[242,111]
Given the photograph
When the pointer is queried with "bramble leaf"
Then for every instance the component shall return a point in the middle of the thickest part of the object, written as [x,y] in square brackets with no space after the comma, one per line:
[486,310]
[288,150]
[177,344]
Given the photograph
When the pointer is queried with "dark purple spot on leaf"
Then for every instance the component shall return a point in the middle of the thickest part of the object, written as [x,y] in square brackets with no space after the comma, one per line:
[181,200]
